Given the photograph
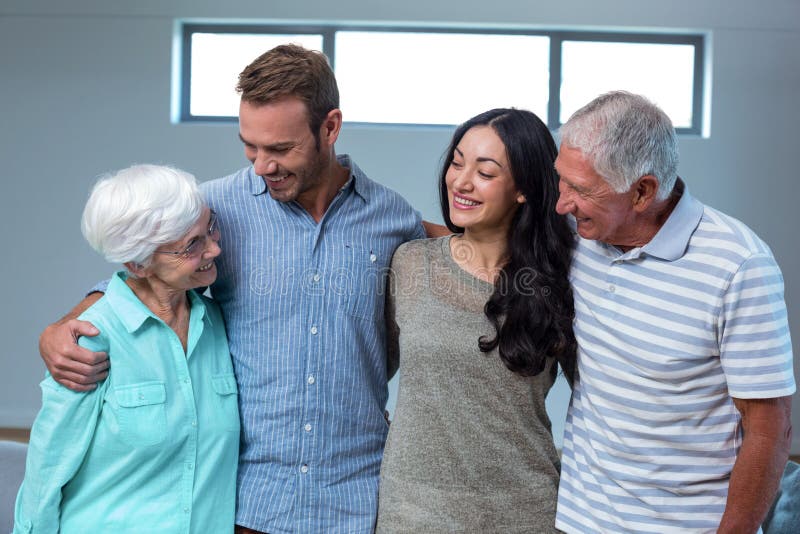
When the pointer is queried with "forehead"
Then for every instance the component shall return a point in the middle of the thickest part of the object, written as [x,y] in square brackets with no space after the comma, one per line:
[482,141]
[574,166]
[286,117]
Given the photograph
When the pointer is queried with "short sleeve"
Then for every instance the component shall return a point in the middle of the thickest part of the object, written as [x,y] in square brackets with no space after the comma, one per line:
[755,344]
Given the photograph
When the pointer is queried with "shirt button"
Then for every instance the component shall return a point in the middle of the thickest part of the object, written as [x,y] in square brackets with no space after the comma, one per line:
[611,288]
[314,330]
[304,469]
[141,396]
[311,379]
[186,381]
[308,427]
[317,277]
[189,467]
[373,258]
[185,510]
[194,423]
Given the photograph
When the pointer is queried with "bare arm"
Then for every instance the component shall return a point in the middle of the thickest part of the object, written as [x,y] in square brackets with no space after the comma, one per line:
[435,230]
[71,365]
[757,472]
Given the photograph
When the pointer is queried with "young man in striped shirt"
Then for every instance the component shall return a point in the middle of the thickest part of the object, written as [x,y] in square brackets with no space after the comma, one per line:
[680,417]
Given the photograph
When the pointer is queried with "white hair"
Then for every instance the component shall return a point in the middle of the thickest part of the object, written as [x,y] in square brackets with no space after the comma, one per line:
[134,211]
[625,136]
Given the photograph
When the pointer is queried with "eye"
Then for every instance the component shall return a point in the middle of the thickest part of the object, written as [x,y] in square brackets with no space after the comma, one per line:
[191,248]
[485,175]
[456,164]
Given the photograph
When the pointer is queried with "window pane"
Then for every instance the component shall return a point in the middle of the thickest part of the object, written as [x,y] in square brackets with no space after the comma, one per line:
[439,78]
[218,58]
[663,73]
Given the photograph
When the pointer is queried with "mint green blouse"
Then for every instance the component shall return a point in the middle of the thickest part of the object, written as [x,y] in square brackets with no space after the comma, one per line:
[155,447]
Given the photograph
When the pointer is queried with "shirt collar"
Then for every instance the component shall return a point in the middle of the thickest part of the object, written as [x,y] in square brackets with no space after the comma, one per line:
[672,239]
[357,179]
[133,313]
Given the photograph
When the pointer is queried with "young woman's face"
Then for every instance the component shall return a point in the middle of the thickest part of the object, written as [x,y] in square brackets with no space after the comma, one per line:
[480,186]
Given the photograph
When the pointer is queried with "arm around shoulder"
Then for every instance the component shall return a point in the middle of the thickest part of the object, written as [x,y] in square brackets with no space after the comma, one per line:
[71,365]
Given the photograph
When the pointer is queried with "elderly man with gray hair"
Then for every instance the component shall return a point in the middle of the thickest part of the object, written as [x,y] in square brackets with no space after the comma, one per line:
[680,415]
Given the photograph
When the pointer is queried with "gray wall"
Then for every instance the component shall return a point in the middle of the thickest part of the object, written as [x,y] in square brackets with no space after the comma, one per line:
[85,88]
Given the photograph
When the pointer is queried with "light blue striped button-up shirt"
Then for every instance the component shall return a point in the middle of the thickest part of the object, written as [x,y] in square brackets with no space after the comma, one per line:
[303,303]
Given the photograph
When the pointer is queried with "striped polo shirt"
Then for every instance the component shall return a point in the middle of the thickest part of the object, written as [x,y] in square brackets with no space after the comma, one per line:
[668,334]
[303,304]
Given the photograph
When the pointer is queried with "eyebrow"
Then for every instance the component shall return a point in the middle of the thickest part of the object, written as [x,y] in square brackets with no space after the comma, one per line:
[480,159]
[281,145]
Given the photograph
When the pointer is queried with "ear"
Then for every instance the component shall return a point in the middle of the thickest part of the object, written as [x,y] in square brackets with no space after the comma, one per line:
[644,192]
[136,269]
[521,199]
[330,127]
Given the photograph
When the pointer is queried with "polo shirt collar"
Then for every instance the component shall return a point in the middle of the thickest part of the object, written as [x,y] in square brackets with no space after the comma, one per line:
[357,179]
[672,239]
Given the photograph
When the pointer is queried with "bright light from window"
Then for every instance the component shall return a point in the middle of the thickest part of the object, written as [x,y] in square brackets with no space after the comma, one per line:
[438,78]
[661,72]
[218,58]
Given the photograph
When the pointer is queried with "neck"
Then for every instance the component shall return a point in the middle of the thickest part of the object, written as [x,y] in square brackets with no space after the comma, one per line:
[482,254]
[168,304]
[647,224]
[332,177]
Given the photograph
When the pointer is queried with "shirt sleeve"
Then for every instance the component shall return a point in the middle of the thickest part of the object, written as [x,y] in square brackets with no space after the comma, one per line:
[419,229]
[60,437]
[99,287]
[755,344]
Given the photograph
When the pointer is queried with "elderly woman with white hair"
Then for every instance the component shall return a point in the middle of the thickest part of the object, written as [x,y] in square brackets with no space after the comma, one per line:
[154,447]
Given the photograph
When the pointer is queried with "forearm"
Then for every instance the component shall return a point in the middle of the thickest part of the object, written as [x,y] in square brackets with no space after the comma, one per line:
[81,307]
[756,473]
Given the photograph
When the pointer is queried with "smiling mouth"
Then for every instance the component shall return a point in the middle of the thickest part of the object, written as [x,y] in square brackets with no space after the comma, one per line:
[465,202]
[276,179]
[205,268]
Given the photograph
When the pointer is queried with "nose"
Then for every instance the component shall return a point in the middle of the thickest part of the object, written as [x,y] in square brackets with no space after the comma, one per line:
[265,166]
[564,204]
[462,181]
[212,247]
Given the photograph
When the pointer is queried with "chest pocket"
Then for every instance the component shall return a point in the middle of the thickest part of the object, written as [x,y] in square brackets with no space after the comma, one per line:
[358,281]
[228,400]
[142,415]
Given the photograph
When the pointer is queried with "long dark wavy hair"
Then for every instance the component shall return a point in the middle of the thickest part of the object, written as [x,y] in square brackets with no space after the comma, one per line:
[531,307]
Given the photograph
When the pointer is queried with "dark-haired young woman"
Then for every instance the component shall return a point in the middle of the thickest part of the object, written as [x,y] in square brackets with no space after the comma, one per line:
[478,321]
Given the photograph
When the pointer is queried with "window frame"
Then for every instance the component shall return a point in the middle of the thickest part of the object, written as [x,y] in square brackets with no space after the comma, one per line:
[557,38]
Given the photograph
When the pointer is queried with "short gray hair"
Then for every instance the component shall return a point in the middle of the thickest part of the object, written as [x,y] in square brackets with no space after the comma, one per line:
[134,211]
[625,136]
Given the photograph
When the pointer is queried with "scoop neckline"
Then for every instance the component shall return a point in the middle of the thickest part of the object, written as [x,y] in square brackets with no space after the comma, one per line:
[459,271]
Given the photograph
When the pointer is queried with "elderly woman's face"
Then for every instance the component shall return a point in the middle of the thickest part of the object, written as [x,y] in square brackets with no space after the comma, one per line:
[194,268]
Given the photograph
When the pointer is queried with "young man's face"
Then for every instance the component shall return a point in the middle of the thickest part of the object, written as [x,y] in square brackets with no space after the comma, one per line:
[283,150]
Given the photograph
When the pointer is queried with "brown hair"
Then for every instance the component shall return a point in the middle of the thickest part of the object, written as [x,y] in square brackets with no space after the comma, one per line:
[291,70]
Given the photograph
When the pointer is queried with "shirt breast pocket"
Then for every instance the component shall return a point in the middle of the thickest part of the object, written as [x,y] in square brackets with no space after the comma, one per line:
[141,413]
[227,397]
[359,282]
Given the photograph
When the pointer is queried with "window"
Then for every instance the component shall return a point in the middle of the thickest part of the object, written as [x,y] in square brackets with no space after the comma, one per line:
[442,76]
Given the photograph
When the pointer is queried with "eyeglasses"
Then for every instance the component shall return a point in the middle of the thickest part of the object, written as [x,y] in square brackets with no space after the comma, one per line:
[198,244]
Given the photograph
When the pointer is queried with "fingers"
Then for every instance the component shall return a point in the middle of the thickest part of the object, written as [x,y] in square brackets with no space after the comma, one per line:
[81,328]
[70,364]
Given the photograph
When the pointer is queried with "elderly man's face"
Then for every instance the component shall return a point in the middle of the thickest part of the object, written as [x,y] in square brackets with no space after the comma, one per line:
[601,213]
